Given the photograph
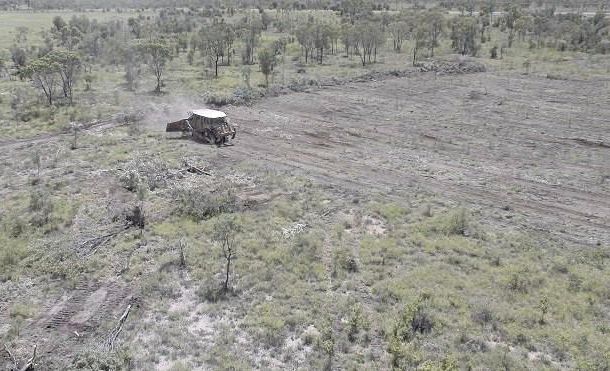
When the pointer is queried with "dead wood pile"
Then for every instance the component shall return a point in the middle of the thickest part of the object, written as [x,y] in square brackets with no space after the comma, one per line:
[452,68]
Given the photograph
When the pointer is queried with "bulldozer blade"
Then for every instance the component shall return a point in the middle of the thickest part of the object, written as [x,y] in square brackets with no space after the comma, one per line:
[180,125]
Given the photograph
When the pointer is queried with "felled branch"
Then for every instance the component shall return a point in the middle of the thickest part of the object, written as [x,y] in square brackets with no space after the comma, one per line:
[28,366]
[193,169]
[114,334]
[94,243]
[12,357]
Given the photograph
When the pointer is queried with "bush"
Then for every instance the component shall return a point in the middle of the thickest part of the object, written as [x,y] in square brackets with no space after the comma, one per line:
[454,222]
[345,260]
[100,360]
[357,322]
[482,315]
[212,292]
[518,281]
[144,169]
[201,204]
[494,52]
[414,320]
[41,205]
[244,95]
[219,100]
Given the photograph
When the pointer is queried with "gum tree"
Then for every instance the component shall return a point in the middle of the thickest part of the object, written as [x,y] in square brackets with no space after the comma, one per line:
[225,230]
[157,54]
[44,74]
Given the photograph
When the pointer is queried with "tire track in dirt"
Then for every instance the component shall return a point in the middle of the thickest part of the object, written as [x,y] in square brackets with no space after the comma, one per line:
[114,121]
[363,162]
[540,217]
[78,319]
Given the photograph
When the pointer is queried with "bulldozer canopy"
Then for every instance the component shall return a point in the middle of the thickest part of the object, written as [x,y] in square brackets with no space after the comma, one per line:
[209,113]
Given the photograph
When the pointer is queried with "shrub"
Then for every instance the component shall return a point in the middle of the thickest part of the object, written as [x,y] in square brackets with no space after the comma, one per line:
[268,324]
[201,204]
[41,205]
[219,100]
[446,364]
[454,222]
[101,360]
[356,322]
[518,281]
[494,52]
[244,95]
[482,315]
[144,169]
[415,319]
[212,292]
[345,260]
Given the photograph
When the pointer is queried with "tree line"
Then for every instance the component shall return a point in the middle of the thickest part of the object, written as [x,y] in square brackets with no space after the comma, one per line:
[70,49]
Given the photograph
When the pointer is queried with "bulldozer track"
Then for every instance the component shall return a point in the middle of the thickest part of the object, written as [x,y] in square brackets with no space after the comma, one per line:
[384,158]
[78,317]
[109,123]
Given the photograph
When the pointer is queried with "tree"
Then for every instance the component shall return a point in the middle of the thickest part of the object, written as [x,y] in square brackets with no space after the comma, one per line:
[131,62]
[19,57]
[369,38]
[2,64]
[157,54]
[135,27]
[58,24]
[265,19]
[420,37]
[68,35]
[435,22]
[523,26]
[213,42]
[321,38]
[225,230]
[229,36]
[250,31]
[267,61]
[356,10]
[464,35]
[304,34]
[468,6]
[348,37]
[489,7]
[399,32]
[69,64]
[511,15]
[21,37]
[44,73]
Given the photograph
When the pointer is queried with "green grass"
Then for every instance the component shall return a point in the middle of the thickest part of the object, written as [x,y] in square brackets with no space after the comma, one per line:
[41,21]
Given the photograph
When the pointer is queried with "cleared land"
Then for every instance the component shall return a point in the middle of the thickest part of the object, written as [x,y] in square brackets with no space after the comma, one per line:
[509,144]
[346,190]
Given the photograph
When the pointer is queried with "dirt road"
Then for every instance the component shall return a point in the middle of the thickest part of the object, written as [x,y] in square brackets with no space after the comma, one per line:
[524,150]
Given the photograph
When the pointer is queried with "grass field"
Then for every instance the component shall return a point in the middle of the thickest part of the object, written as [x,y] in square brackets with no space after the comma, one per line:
[41,21]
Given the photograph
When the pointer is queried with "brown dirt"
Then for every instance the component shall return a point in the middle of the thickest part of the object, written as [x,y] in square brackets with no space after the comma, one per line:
[509,149]
[77,320]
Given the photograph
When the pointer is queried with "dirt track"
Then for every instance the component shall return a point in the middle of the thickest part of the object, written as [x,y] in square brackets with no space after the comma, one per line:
[524,150]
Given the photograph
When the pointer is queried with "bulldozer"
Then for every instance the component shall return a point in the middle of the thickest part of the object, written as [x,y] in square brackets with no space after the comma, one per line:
[206,125]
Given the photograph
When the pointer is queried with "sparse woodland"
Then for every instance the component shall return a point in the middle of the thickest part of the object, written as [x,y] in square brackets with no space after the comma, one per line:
[351,226]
